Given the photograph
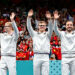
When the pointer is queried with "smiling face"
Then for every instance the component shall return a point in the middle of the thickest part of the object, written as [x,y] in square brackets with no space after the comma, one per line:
[42,26]
[69,26]
[8,26]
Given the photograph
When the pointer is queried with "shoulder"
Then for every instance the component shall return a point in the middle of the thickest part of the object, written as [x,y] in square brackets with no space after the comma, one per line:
[1,34]
[62,32]
[74,31]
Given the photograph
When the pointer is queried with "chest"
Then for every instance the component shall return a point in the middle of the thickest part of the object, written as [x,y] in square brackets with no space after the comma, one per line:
[40,39]
[7,38]
[70,38]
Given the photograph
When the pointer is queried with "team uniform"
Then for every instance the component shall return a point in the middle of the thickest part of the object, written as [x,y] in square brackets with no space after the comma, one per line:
[41,48]
[8,51]
[68,50]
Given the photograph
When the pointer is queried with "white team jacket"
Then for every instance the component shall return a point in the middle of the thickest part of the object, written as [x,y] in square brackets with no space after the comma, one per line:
[8,42]
[41,41]
[67,40]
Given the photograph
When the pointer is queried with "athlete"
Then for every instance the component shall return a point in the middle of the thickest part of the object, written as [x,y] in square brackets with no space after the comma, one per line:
[67,46]
[41,44]
[8,41]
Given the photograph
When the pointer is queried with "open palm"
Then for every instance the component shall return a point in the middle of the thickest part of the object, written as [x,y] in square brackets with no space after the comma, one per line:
[12,16]
[30,13]
[48,15]
[56,15]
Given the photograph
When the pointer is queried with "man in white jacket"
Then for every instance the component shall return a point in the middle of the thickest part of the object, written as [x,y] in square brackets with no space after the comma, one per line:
[67,46]
[41,44]
[8,41]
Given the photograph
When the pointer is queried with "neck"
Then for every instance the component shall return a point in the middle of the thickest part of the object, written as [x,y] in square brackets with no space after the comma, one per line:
[41,31]
[69,31]
[10,32]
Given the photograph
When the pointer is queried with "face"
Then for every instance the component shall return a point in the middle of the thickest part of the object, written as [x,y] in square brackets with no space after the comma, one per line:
[30,45]
[69,26]
[22,35]
[24,42]
[8,26]
[42,26]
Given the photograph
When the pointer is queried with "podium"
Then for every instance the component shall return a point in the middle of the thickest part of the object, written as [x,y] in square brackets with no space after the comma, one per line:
[26,67]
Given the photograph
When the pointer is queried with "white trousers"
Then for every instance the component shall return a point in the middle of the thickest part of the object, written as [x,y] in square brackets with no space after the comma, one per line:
[8,62]
[41,64]
[68,66]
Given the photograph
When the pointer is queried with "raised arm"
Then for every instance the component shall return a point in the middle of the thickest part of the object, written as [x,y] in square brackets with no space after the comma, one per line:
[29,26]
[14,25]
[0,39]
[56,29]
[50,28]
[50,23]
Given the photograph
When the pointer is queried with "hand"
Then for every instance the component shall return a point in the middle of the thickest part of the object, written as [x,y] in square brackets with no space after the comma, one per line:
[56,15]
[30,13]
[12,16]
[48,15]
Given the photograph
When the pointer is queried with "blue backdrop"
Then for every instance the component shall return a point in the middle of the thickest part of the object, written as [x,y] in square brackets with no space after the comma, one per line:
[26,67]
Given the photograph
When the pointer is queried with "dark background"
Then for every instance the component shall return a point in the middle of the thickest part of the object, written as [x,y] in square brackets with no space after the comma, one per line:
[43,3]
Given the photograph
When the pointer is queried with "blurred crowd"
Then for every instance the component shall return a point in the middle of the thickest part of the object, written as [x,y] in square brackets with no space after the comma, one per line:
[25,42]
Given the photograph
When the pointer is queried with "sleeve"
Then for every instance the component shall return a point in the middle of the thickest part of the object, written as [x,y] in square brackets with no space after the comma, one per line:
[36,22]
[29,27]
[16,31]
[0,39]
[50,28]
[0,44]
[56,29]
[74,33]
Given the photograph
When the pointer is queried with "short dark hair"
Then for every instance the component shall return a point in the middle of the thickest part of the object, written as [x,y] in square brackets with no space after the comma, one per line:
[69,21]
